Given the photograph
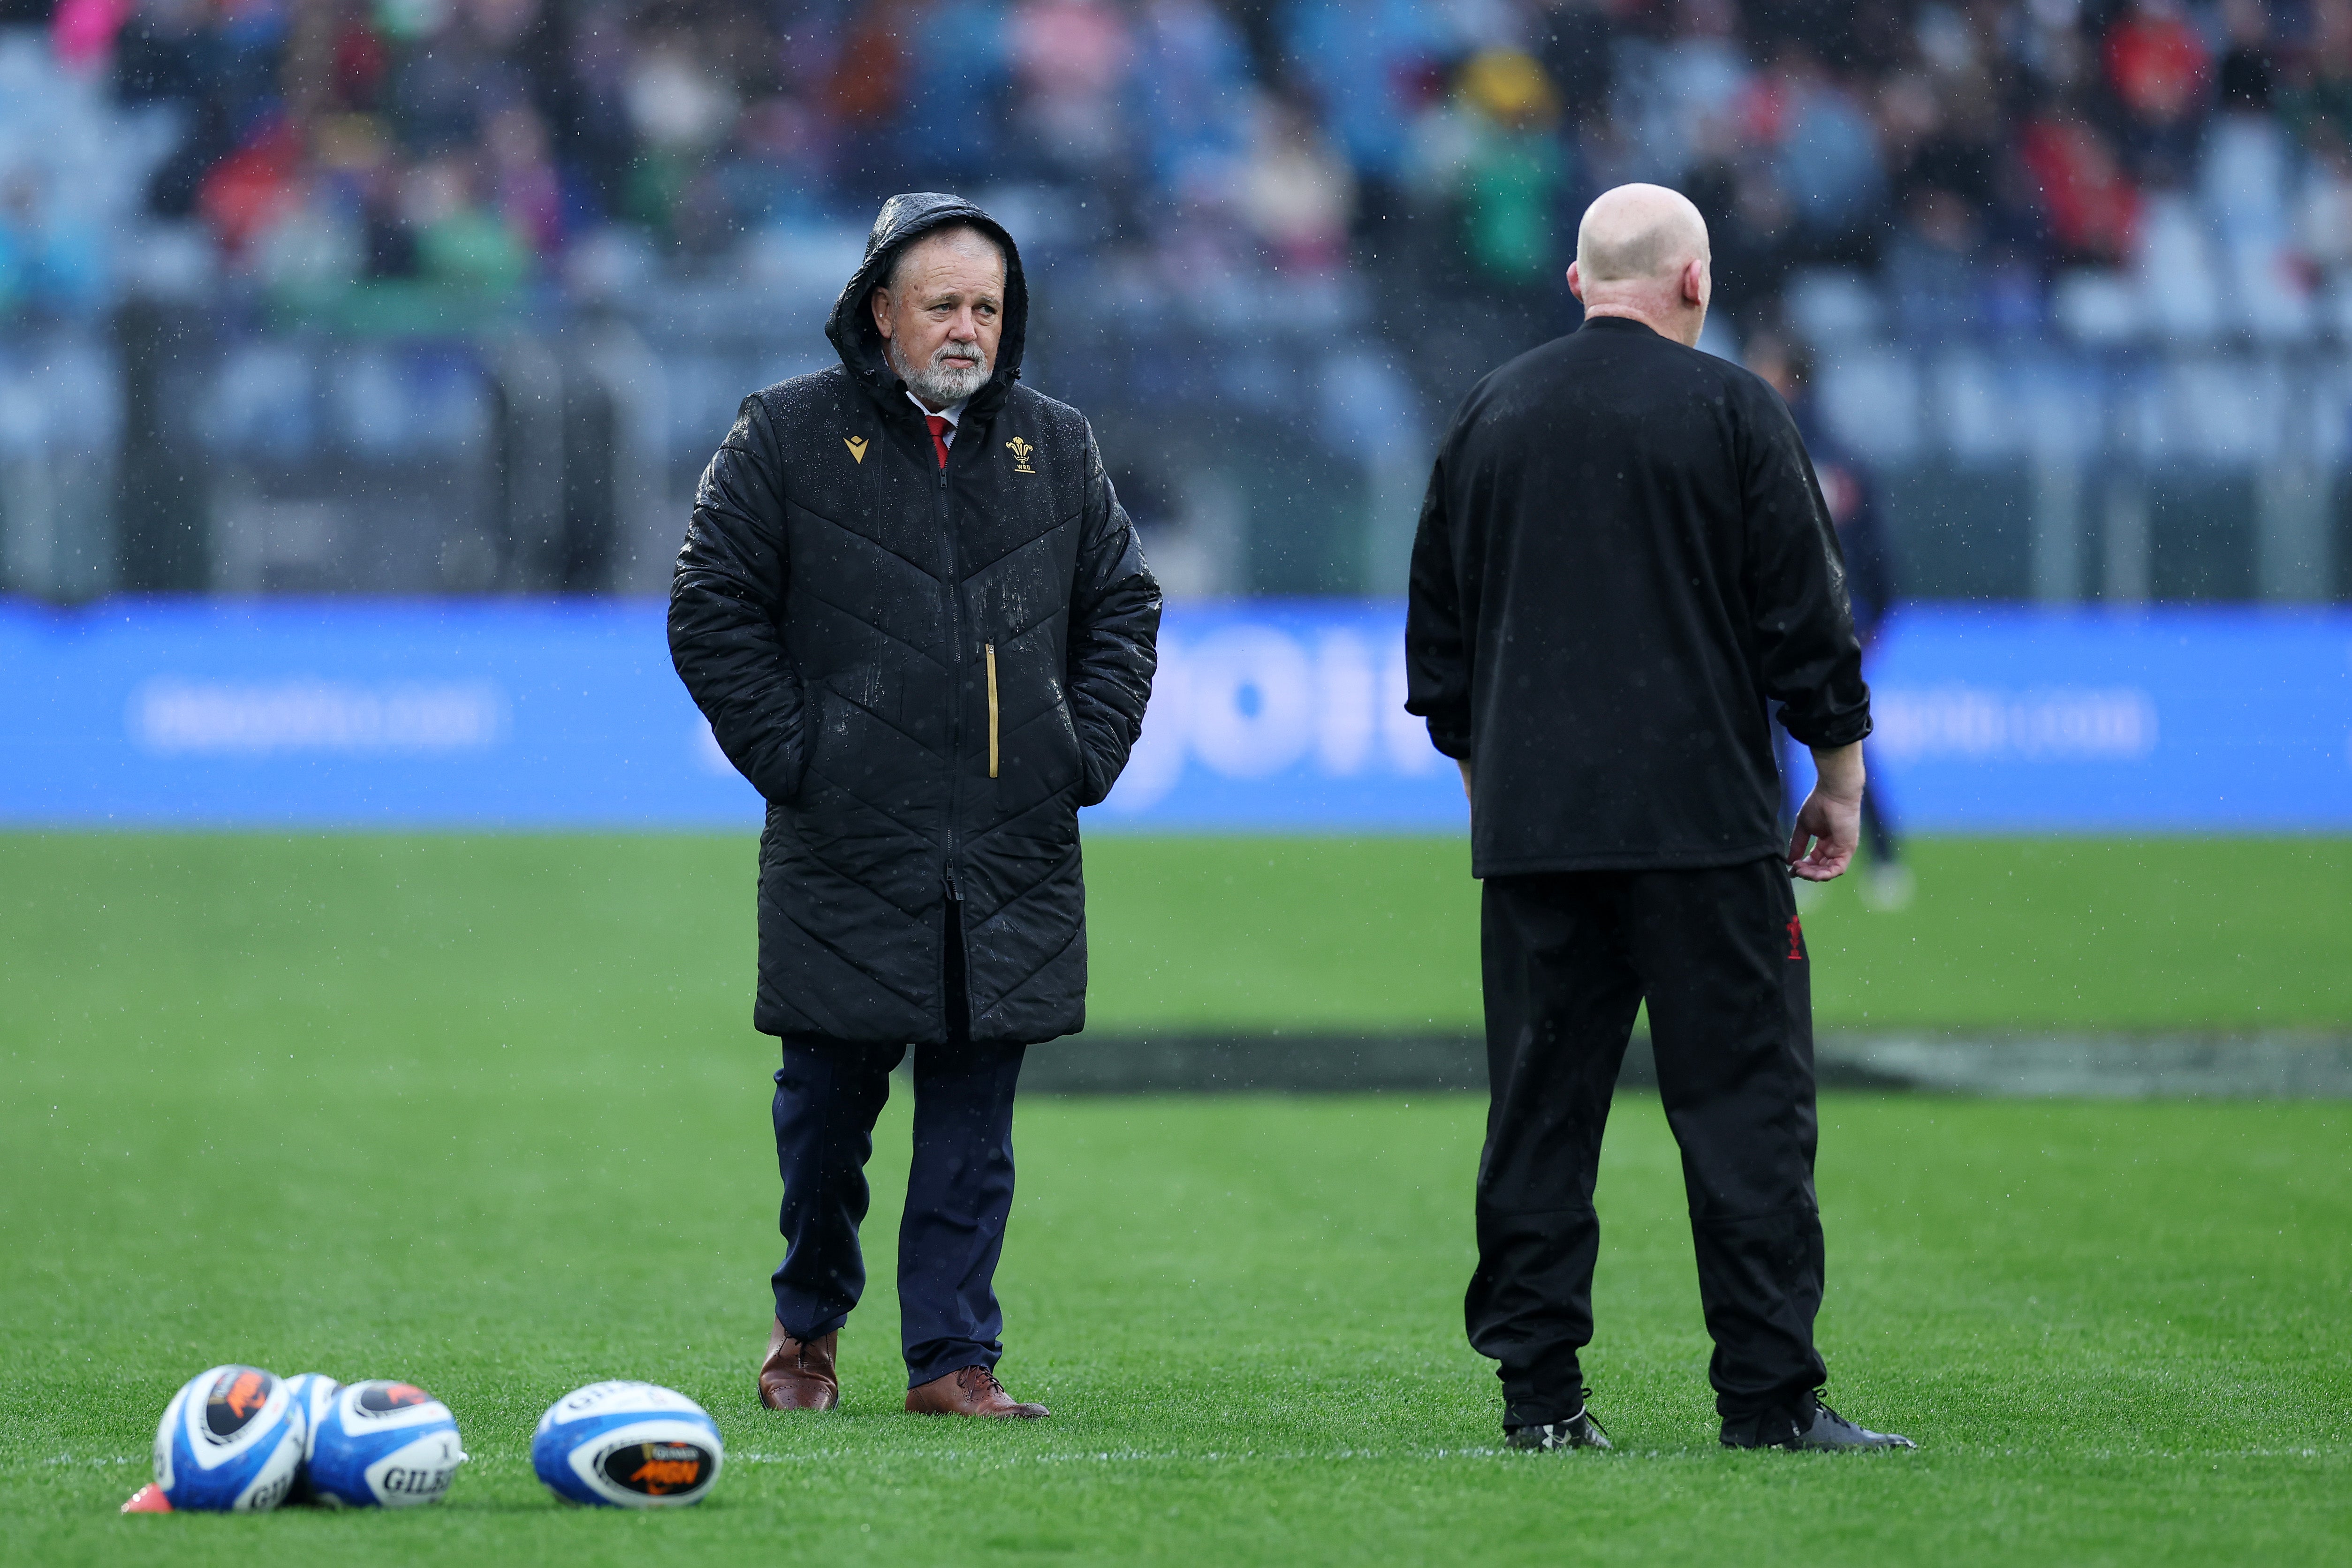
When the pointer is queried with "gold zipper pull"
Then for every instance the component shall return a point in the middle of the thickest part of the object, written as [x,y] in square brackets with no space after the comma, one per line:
[990,648]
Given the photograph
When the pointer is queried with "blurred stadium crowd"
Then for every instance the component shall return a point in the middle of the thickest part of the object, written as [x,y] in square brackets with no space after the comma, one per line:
[1970,151]
[456,294]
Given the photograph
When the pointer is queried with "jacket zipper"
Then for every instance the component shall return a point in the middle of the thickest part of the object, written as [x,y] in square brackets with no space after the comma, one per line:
[955,719]
[992,710]
[955,733]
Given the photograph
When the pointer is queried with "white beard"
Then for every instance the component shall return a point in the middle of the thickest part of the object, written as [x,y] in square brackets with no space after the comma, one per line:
[944,381]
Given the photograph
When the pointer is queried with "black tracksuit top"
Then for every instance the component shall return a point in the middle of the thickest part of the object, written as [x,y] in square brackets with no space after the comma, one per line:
[926,671]
[1624,561]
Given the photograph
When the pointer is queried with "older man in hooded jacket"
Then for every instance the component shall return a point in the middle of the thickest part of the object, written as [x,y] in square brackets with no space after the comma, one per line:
[920,624]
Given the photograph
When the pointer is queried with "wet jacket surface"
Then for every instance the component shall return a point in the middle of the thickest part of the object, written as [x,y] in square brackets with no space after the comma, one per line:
[926,673]
[1623,564]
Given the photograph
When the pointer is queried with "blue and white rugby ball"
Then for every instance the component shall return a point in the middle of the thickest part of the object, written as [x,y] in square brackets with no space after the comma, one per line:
[627,1445]
[382,1445]
[311,1392]
[230,1442]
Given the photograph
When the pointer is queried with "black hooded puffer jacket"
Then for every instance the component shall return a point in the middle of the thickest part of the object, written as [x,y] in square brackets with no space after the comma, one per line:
[927,674]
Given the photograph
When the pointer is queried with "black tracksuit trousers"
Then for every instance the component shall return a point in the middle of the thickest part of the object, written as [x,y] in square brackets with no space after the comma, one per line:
[1720,957]
[959,1189]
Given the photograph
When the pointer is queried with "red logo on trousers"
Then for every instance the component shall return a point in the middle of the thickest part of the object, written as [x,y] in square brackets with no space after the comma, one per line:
[1796,941]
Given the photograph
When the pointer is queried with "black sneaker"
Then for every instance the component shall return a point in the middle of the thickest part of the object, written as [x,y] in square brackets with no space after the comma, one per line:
[1578,1431]
[1812,1426]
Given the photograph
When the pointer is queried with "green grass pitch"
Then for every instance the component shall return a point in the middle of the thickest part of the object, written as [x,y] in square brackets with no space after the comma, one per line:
[486,1112]
[2100,934]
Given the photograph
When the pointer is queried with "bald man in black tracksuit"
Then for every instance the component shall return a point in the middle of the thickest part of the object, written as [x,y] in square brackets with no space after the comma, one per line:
[1623,564]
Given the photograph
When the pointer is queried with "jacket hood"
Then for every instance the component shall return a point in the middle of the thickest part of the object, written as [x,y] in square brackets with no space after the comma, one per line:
[904,219]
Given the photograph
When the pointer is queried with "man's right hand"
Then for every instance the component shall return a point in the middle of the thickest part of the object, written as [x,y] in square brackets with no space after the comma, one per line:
[1829,824]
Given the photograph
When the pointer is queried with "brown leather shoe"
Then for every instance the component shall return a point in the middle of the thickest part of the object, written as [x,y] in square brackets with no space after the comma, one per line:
[973,1391]
[798,1375]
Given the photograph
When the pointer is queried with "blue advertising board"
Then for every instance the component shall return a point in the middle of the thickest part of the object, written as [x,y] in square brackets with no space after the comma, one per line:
[1270,716]
[2171,720]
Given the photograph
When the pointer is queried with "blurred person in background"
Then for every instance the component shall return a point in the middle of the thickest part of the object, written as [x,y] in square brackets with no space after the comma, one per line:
[958,56]
[461,239]
[1362,64]
[778,165]
[50,257]
[1853,500]
[1486,172]
[1193,73]
[523,183]
[1512,171]
[2247,187]
[2318,95]
[1622,559]
[2091,204]
[1297,193]
[920,623]
[682,104]
[2159,70]
[588,107]
[1072,62]
[1826,152]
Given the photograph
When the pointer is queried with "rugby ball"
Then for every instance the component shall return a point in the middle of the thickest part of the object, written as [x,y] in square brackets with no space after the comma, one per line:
[382,1445]
[311,1392]
[230,1442]
[627,1445]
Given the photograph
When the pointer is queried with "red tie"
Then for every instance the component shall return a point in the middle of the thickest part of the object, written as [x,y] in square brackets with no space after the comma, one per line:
[939,428]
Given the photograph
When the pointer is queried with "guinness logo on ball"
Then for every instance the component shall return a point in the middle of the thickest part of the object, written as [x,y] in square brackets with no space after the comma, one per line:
[658,1469]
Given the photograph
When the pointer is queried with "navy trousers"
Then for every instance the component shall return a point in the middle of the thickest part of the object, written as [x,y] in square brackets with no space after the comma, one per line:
[1720,957]
[959,1190]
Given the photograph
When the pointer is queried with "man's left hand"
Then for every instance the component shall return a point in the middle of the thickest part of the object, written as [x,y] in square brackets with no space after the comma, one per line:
[1829,824]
